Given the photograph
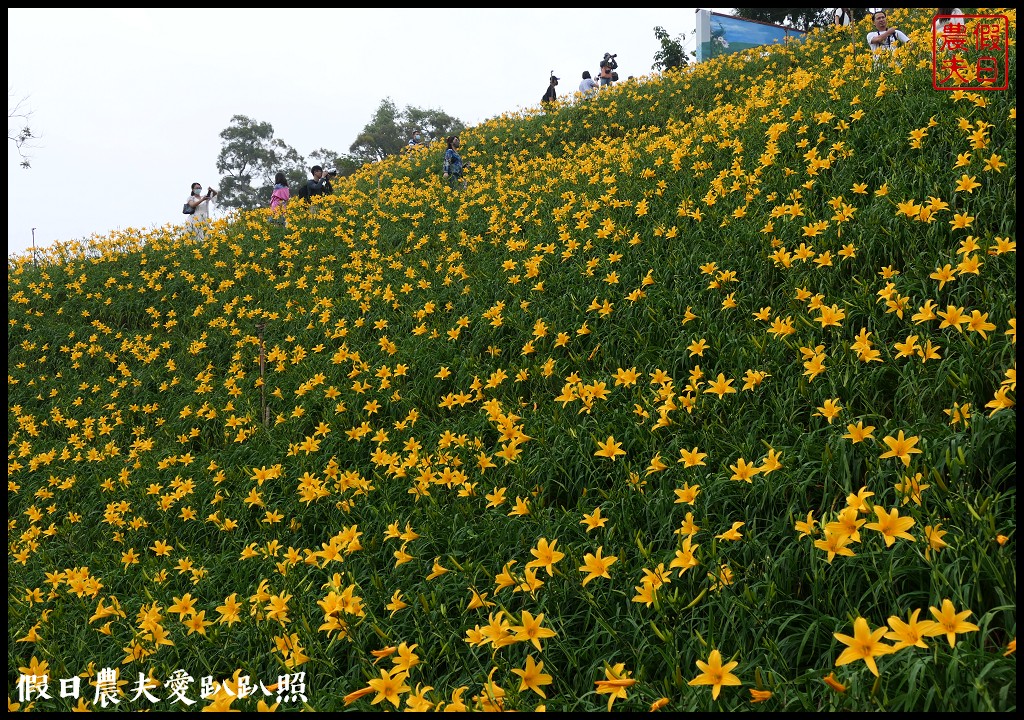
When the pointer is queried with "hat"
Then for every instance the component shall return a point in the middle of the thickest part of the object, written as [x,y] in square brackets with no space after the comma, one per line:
[554,78]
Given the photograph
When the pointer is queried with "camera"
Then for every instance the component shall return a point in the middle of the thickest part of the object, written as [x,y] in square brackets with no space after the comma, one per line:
[331,172]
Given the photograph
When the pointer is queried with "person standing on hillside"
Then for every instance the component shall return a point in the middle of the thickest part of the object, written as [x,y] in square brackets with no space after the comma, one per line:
[589,86]
[884,37]
[320,184]
[279,199]
[200,205]
[452,167]
[608,64]
[549,94]
[940,22]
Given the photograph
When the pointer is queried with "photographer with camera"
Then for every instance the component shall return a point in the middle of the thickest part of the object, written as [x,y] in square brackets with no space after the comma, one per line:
[607,66]
[321,182]
[199,205]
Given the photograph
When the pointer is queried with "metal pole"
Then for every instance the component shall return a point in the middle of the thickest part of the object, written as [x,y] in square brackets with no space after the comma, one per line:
[34,248]
[263,385]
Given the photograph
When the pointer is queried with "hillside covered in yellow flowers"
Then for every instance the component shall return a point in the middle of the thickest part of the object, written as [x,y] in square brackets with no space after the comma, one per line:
[698,395]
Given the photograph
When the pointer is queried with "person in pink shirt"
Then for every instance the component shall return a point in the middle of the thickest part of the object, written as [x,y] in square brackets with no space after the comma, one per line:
[279,199]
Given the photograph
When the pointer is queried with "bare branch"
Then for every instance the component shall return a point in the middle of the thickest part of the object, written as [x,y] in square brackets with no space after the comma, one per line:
[21,137]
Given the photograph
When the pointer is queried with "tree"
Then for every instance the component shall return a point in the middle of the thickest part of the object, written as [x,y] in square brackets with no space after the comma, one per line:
[799,18]
[251,156]
[380,137]
[432,124]
[248,161]
[672,54]
[21,137]
[344,164]
[389,130]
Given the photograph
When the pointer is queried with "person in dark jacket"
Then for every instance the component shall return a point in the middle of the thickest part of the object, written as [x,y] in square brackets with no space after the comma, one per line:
[549,94]
[453,166]
[321,182]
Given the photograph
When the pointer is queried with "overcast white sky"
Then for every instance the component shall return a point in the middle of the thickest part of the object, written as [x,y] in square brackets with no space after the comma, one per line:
[130,103]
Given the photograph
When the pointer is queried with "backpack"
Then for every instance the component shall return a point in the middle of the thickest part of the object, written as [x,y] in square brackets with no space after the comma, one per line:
[302,193]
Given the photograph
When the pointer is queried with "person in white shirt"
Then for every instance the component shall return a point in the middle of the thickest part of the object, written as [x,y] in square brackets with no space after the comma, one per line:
[589,86]
[941,22]
[842,17]
[884,37]
[200,205]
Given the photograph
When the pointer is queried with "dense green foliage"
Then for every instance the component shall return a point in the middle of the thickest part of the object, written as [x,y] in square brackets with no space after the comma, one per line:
[249,159]
[251,156]
[389,130]
[672,54]
[757,315]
